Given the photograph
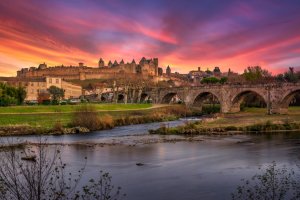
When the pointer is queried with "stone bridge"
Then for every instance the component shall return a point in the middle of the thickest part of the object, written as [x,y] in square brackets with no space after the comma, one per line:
[276,96]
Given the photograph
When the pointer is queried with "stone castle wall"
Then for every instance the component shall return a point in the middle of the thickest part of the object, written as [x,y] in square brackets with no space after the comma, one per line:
[144,68]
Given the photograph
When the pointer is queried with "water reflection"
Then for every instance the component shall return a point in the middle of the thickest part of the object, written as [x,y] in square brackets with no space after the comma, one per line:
[187,170]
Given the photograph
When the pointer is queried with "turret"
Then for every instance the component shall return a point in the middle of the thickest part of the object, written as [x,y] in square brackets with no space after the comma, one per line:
[122,62]
[109,64]
[115,63]
[142,61]
[168,71]
[101,63]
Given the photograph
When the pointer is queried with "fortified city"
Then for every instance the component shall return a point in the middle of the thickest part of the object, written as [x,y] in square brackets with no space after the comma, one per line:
[149,100]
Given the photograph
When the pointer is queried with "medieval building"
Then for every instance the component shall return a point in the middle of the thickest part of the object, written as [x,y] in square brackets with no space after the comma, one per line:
[145,68]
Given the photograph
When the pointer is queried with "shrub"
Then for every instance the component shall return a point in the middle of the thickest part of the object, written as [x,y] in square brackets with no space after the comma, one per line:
[58,126]
[106,122]
[87,116]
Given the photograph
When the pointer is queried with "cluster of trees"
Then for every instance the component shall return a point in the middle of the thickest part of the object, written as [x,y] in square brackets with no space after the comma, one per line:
[53,95]
[256,74]
[289,76]
[10,95]
[213,80]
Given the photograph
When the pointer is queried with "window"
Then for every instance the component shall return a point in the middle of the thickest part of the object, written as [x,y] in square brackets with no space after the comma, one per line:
[50,80]
[57,81]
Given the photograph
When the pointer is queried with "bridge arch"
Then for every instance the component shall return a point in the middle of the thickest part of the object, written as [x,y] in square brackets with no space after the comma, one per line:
[121,98]
[145,97]
[287,100]
[171,97]
[202,97]
[241,97]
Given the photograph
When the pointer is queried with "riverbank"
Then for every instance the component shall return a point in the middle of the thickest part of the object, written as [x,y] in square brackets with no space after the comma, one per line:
[252,120]
[38,123]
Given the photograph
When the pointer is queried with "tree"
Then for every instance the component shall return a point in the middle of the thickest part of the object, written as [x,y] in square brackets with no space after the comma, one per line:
[56,93]
[223,80]
[43,98]
[210,80]
[274,183]
[10,95]
[24,176]
[21,94]
[291,76]
[255,74]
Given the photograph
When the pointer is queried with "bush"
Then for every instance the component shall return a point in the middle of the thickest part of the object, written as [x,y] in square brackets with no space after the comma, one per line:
[210,109]
[87,116]
[106,122]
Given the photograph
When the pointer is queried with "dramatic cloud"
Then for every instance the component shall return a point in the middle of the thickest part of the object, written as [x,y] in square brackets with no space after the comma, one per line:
[183,34]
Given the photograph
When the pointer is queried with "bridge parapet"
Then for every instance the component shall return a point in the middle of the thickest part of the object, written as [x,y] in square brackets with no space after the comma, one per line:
[276,96]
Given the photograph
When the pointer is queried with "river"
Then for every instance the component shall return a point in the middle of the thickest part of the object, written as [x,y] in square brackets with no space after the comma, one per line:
[209,168]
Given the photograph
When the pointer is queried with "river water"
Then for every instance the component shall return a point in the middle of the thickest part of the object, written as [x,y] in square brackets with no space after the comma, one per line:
[209,168]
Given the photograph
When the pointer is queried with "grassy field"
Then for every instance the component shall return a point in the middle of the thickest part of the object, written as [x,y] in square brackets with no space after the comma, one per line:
[254,116]
[47,116]
[251,120]
[69,108]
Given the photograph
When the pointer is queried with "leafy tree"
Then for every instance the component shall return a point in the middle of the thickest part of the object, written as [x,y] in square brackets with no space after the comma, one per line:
[210,80]
[223,80]
[255,74]
[291,76]
[10,95]
[56,93]
[43,98]
[21,94]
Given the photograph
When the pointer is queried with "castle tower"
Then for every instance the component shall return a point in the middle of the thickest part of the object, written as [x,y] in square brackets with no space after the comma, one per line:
[101,63]
[168,71]
[122,62]
[109,64]
[115,64]
[133,66]
[142,61]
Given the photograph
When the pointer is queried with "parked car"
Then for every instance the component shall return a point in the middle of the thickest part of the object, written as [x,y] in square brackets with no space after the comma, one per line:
[74,101]
[63,102]
[32,102]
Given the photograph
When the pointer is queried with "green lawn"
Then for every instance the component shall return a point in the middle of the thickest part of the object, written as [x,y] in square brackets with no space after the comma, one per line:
[48,120]
[70,108]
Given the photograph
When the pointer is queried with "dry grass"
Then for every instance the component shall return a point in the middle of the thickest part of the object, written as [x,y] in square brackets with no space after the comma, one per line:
[86,116]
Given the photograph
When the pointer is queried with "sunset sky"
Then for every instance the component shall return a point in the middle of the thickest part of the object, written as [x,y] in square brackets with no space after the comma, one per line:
[184,34]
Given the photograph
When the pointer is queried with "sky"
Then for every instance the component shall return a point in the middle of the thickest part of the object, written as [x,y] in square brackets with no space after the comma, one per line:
[185,34]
